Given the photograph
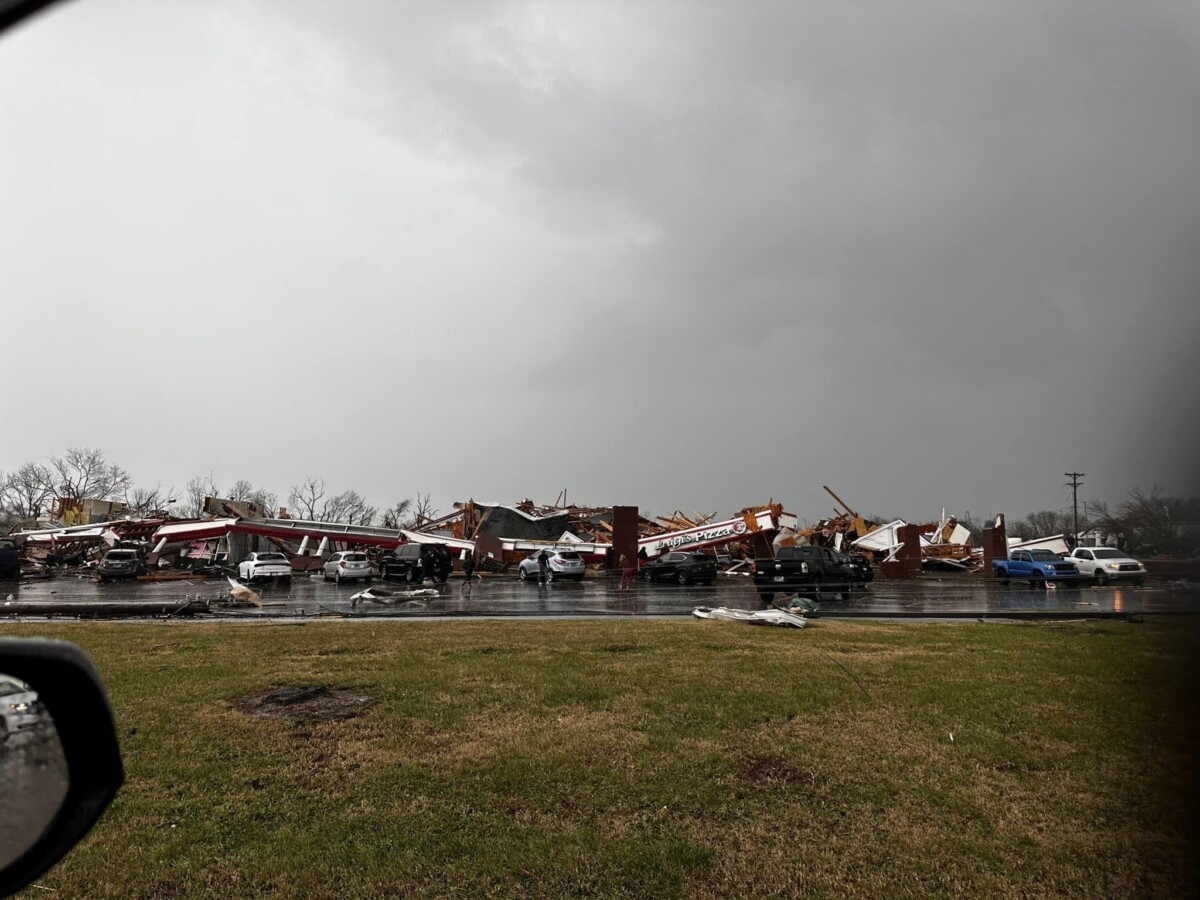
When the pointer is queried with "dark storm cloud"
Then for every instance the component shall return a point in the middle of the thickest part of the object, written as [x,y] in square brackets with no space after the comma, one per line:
[677,254]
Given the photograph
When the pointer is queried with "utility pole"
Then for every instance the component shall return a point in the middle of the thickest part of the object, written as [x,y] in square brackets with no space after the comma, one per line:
[1074,486]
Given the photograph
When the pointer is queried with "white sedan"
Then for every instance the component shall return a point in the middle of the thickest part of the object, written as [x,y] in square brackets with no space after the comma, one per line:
[1107,564]
[264,565]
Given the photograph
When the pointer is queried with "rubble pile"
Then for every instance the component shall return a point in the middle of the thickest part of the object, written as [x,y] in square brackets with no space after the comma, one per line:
[498,535]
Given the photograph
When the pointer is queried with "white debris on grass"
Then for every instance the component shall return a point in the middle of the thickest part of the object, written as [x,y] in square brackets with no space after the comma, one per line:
[758,617]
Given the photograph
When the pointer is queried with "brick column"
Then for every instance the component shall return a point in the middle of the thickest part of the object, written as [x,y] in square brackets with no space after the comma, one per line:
[995,544]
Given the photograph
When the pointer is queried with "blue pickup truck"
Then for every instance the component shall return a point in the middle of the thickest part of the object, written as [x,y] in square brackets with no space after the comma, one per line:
[1037,566]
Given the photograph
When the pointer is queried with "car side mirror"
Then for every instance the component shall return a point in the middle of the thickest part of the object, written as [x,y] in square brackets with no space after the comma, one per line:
[60,763]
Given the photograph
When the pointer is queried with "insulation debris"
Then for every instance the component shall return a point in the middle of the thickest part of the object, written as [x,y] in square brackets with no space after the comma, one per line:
[778,617]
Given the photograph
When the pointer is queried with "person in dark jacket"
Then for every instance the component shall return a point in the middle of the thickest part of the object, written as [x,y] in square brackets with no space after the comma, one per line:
[543,567]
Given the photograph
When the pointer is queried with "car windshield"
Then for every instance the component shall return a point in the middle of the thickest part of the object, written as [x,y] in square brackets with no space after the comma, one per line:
[1108,553]
[1044,555]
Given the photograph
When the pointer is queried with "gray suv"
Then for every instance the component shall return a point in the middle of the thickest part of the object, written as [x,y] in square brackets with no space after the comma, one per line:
[120,564]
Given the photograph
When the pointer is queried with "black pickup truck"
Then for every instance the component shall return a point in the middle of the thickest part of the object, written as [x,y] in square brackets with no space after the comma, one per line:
[809,569]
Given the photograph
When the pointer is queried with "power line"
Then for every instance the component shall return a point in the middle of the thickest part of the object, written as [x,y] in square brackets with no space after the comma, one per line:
[1074,486]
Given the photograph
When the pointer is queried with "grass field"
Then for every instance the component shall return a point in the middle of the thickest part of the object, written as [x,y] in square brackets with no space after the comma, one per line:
[646,758]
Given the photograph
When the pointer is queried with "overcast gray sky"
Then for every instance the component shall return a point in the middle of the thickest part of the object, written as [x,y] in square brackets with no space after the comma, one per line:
[685,255]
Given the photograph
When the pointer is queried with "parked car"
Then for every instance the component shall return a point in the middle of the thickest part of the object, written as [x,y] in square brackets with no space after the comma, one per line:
[415,562]
[347,565]
[859,568]
[1036,565]
[10,559]
[120,563]
[1107,564]
[809,568]
[562,564]
[683,568]
[19,707]
[265,565]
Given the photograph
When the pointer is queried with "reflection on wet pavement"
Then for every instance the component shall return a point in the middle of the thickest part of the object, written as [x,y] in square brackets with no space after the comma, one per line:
[33,769]
[504,596]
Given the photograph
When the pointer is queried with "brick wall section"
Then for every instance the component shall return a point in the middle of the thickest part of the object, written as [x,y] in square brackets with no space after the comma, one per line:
[625,533]
[909,555]
[995,544]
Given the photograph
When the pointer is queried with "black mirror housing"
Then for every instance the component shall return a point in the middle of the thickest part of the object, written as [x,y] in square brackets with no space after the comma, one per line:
[72,693]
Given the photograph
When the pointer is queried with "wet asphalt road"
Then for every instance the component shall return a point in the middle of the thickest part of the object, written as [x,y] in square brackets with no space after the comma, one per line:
[599,596]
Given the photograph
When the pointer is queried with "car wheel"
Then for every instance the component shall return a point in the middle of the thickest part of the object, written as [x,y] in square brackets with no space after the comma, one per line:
[647,577]
[1138,582]
[522,574]
[683,577]
[767,598]
[1036,581]
[549,577]
[337,579]
[1101,577]
[410,576]
[816,584]
[577,577]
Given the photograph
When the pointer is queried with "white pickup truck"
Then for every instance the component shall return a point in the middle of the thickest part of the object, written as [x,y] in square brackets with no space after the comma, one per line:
[264,565]
[1107,564]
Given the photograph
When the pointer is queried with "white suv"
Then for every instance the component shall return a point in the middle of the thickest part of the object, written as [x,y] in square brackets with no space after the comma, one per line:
[347,565]
[562,564]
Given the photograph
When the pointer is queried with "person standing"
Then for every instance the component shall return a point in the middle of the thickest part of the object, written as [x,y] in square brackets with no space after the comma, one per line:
[543,567]
[468,569]
[627,572]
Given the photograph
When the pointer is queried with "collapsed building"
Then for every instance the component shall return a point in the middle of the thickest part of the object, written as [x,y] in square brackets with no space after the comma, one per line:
[500,535]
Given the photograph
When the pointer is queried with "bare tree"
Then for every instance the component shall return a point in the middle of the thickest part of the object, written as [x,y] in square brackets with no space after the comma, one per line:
[422,511]
[1153,522]
[349,507]
[397,515]
[27,492]
[197,489]
[305,498]
[146,501]
[84,473]
[1044,523]
[241,490]
[267,501]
